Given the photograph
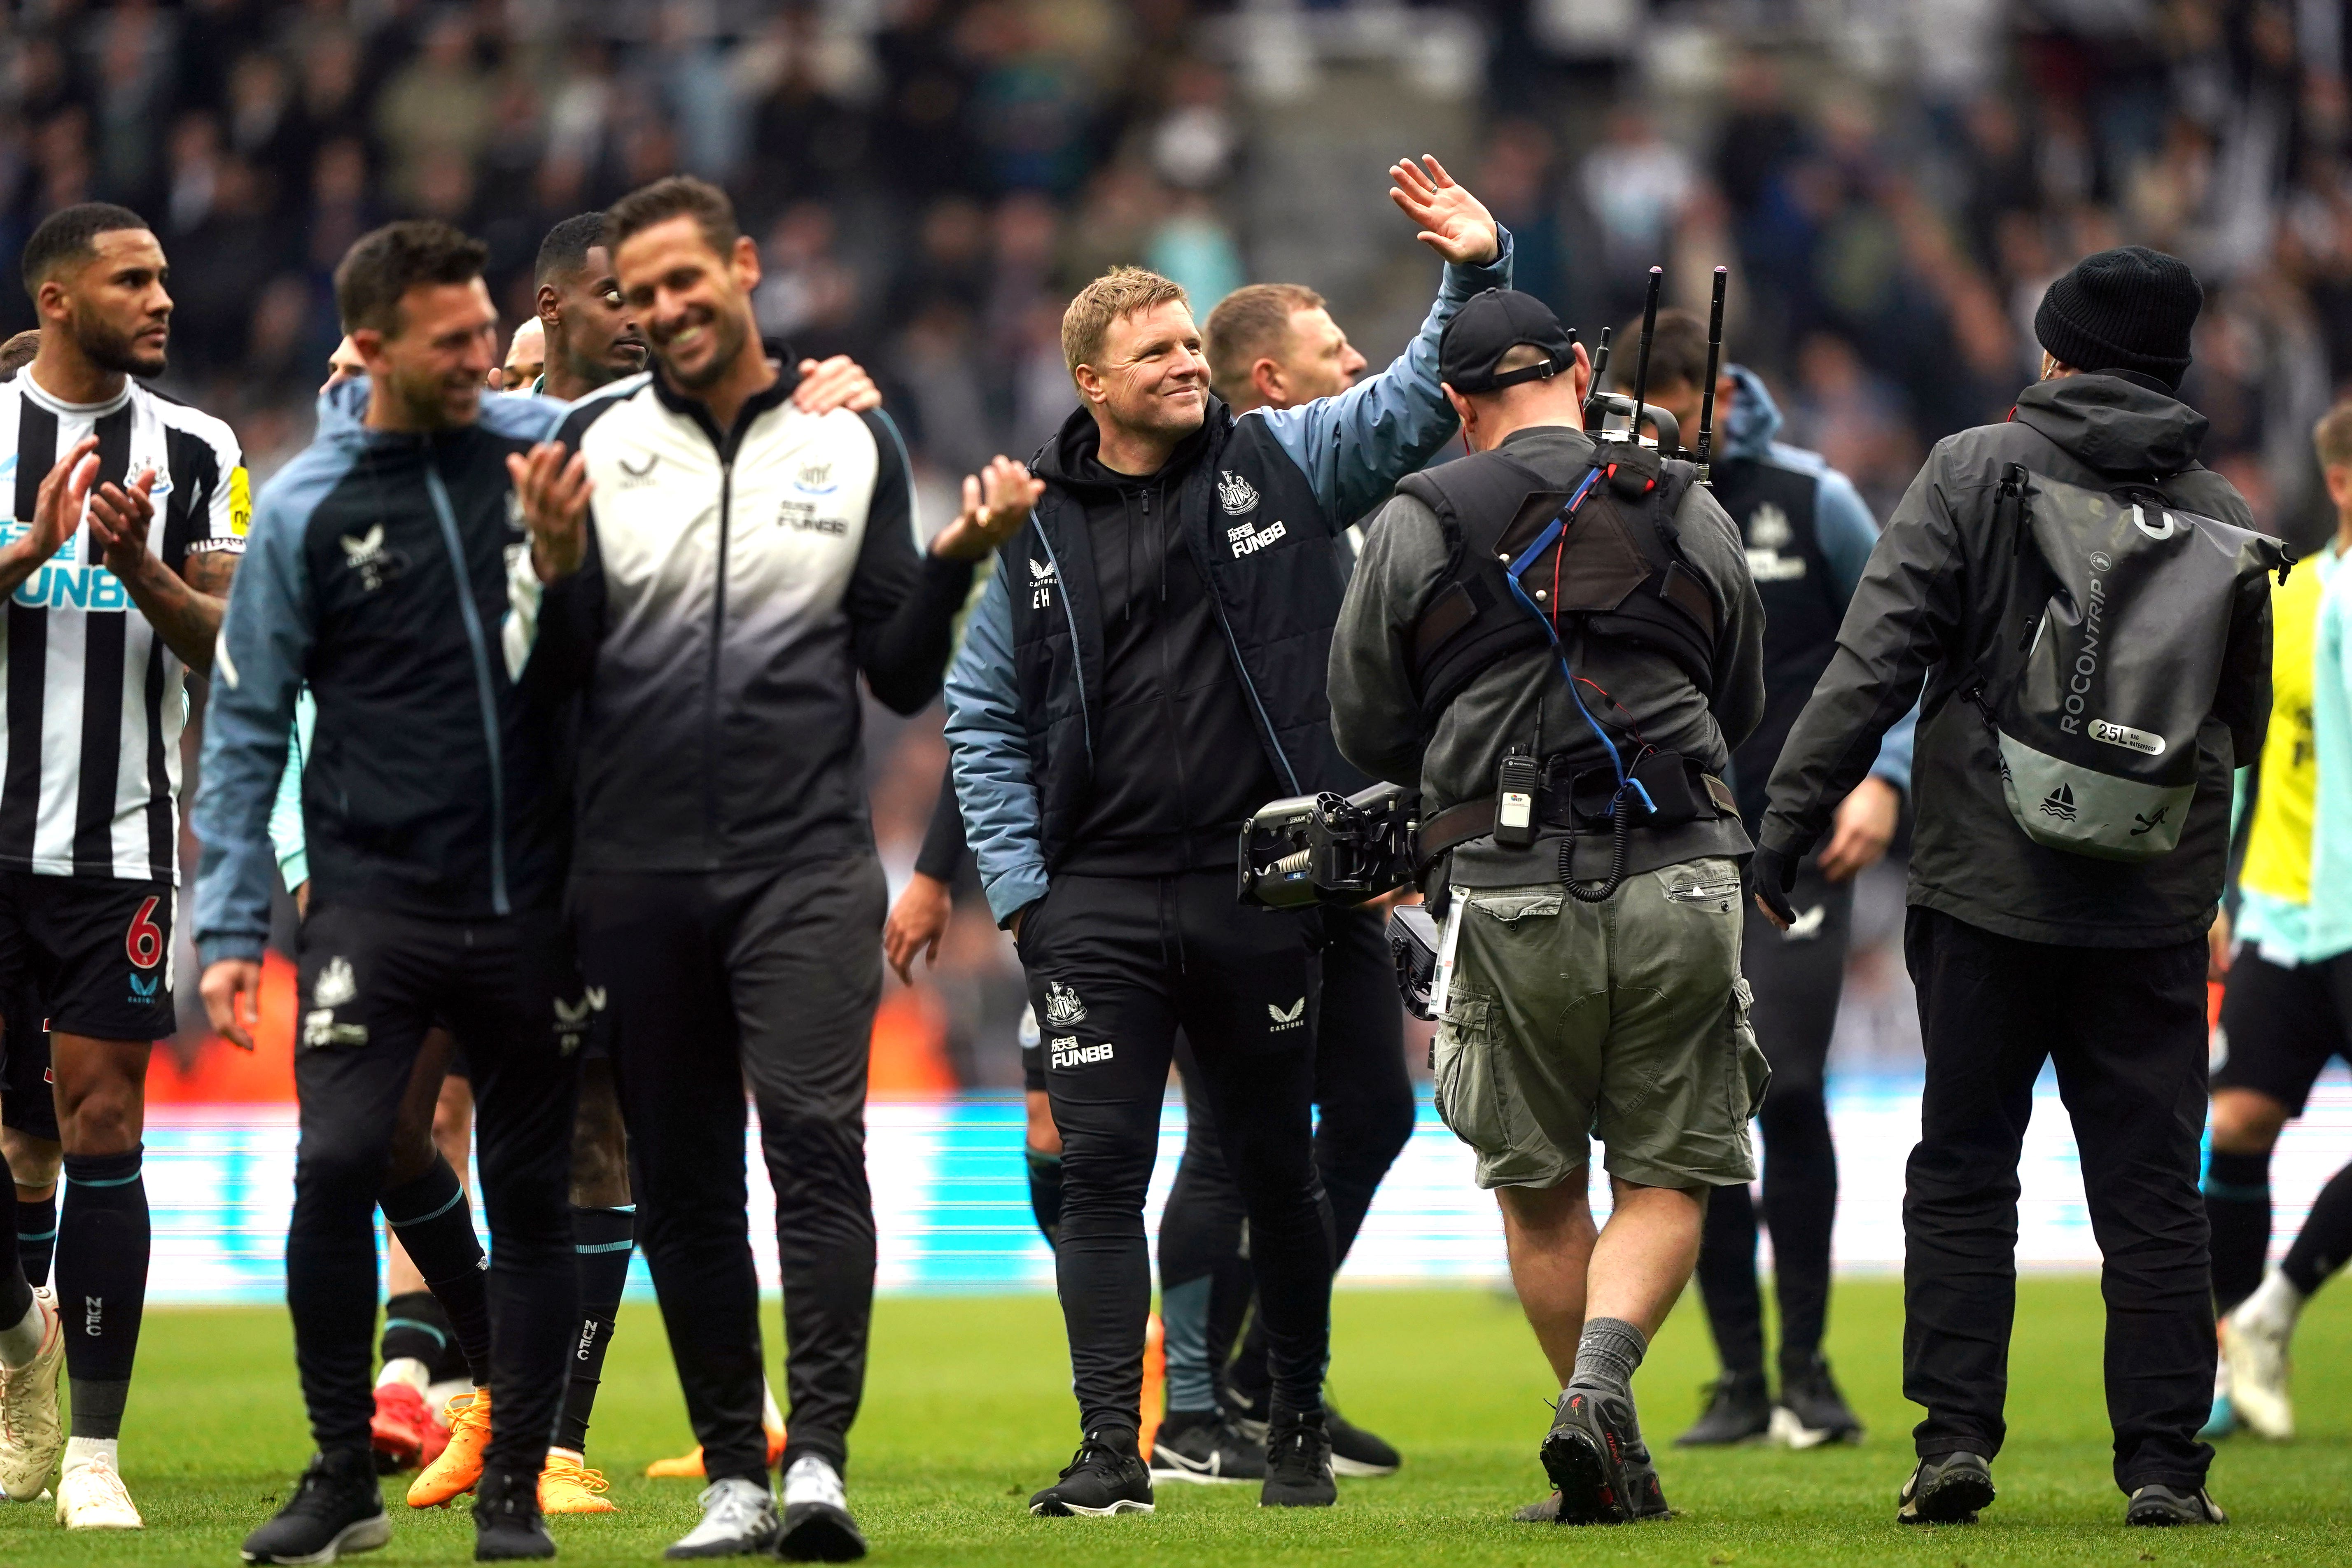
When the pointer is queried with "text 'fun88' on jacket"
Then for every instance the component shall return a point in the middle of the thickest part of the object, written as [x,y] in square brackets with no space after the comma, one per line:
[378,572]
[1052,733]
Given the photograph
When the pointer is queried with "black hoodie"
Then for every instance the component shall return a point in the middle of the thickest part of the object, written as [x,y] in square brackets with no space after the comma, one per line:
[1183,764]
[1927,609]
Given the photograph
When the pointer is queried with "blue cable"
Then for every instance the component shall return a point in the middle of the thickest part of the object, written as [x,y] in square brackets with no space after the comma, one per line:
[1511,574]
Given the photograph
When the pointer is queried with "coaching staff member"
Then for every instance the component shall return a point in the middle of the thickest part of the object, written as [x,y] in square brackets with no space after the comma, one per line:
[1620,1012]
[1146,670]
[725,566]
[1274,345]
[434,814]
[2024,954]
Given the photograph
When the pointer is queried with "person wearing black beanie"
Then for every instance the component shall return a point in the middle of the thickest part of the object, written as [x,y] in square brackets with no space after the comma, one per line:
[2024,953]
[2127,309]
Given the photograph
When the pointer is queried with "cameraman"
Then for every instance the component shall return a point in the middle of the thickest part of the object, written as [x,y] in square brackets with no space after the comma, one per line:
[1623,1017]
[2023,954]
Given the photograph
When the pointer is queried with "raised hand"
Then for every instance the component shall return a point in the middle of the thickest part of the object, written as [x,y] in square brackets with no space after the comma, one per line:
[838,383]
[553,494]
[1454,223]
[996,501]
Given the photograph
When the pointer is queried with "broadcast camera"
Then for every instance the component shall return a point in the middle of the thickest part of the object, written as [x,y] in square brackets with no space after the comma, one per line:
[1328,848]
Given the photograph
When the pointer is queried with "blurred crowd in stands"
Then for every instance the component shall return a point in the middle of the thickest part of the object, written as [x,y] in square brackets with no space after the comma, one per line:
[1893,182]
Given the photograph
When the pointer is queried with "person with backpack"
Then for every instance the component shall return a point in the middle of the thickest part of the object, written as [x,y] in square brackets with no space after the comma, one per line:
[2085,607]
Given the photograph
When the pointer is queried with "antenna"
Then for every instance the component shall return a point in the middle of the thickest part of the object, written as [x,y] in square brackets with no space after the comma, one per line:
[1714,360]
[1642,363]
[1600,375]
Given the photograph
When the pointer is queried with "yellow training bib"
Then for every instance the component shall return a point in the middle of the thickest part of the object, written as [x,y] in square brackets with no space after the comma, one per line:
[2278,850]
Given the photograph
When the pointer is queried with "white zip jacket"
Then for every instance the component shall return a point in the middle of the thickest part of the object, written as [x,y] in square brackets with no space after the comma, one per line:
[735,586]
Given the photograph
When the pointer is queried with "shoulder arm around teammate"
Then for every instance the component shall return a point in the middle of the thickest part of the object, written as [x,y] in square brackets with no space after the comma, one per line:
[1355,446]
[902,599]
[264,644]
[988,744]
[1375,711]
[1905,613]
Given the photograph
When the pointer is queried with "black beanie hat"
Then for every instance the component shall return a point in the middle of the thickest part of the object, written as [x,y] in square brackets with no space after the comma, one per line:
[2123,310]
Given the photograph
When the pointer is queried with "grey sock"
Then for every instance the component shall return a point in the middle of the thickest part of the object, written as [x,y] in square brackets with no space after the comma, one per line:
[1608,1353]
[97,1407]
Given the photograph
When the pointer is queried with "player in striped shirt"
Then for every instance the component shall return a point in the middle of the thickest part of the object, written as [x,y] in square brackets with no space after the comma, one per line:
[129,513]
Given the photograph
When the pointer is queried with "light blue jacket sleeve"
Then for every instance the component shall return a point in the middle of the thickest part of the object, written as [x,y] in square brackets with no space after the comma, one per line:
[285,811]
[1354,447]
[988,757]
[1847,534]
[264,644]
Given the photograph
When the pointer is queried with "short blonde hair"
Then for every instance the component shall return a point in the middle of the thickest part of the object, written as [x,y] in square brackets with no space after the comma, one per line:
[1120,292]
[2333,436]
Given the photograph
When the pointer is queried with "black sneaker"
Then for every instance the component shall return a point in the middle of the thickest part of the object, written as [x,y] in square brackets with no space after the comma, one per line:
[507,1525]
[1106,1476]
[1297,1462]
[1946,1490]
[1204,1448]
[1810,1410]
[2162,1505]
[1642,1488]
[1354,1452]
[337,1507]
[1586,1454]
[1738,1410]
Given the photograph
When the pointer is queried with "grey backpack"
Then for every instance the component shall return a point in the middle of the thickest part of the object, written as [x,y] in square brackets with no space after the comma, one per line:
[2109,657]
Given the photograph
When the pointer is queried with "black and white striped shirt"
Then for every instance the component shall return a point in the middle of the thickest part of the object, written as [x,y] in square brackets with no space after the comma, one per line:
[94,702]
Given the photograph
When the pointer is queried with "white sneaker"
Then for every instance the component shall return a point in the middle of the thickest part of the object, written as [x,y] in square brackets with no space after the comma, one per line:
[817,1525]
[31,1434]
[738,1518]
[2255,1347]
[92,1496]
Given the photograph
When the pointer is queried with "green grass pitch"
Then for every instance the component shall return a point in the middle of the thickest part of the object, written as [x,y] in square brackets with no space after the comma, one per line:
[968,1411]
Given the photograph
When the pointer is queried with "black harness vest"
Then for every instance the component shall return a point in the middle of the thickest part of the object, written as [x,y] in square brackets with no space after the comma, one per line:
[1617,571]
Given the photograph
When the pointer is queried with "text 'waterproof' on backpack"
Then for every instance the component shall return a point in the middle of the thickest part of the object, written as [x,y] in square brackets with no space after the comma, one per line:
[2109,657]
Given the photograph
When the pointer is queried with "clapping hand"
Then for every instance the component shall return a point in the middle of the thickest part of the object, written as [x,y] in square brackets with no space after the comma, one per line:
[996,501]
[553,494]
[119,518]
[57,506]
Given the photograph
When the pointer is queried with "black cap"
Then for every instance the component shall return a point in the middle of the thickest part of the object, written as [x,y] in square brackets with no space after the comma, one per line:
[2123,310]
[1491,325]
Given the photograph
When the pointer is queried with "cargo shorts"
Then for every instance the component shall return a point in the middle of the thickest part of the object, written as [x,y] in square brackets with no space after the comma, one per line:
[1625,1021]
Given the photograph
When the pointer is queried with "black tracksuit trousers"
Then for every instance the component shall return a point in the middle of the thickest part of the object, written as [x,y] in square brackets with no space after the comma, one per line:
[1797,976]
[371,984]
[1364,1098]
[1116,966]
[2124,1028]
[769,974]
